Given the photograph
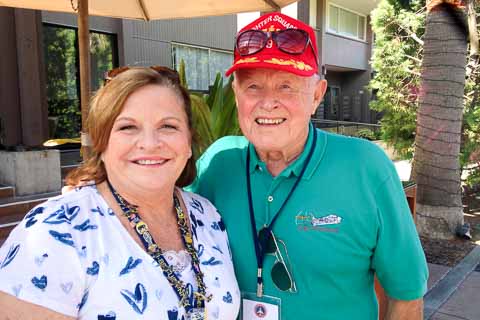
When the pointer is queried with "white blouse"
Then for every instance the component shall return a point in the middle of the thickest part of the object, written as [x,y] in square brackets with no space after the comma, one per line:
[72,255]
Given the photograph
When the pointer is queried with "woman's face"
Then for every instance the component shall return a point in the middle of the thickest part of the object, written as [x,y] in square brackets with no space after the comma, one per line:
[150,141]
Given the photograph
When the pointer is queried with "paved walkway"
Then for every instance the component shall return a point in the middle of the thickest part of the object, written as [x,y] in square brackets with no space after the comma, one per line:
[454,293]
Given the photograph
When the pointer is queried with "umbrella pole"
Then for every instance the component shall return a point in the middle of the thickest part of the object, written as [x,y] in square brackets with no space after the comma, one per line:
[84,57]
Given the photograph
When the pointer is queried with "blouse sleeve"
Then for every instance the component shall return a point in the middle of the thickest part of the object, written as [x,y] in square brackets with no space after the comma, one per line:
[39,262]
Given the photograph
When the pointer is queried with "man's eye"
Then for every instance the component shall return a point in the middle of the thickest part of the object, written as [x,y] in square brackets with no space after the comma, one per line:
[253,87]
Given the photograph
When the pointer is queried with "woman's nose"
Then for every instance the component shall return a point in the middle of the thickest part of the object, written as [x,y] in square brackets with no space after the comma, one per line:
[149,139]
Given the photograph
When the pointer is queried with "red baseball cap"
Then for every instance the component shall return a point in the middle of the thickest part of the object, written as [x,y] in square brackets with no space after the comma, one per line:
[304,64]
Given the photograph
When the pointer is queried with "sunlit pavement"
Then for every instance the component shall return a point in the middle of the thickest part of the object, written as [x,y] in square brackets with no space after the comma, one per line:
[453,293]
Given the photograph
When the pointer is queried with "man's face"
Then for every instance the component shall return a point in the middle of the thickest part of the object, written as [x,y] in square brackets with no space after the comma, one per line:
[274,107]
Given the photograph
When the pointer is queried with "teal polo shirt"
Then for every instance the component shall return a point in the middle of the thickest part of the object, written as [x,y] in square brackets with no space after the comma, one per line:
[346,220]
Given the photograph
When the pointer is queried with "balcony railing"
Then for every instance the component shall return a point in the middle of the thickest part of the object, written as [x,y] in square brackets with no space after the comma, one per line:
[347,128]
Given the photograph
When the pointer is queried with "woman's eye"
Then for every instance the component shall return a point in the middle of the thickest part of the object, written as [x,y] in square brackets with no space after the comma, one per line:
[169,126]
[126,127]
[285,87]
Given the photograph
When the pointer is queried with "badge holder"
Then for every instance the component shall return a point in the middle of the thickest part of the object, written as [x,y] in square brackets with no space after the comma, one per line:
[196,314]
[260,308]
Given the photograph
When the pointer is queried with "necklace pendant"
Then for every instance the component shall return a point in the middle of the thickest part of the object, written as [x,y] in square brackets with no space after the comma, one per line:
[196,314]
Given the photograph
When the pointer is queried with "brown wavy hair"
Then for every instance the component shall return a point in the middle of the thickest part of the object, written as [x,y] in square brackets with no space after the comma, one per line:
[105,107]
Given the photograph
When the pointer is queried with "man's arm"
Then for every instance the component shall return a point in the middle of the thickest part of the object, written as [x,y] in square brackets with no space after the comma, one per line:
[404,310]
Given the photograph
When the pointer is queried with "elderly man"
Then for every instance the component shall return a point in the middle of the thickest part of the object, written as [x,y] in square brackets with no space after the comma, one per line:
[311,216]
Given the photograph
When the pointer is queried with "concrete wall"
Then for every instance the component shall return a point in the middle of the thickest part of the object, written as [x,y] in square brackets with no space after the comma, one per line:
[31,172]
[346,53]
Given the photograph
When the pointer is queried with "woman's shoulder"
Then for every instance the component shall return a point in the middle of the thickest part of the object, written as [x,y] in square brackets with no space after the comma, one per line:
[65,209]
[199,205]
[79,194]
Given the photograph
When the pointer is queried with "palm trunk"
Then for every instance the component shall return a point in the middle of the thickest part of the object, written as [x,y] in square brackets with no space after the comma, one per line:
[439,123]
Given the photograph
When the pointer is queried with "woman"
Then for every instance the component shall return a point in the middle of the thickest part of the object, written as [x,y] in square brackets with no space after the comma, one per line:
[132,245]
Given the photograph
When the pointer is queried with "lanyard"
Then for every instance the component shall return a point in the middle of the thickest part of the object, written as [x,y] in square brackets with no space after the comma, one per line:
[130,211]
[258,246]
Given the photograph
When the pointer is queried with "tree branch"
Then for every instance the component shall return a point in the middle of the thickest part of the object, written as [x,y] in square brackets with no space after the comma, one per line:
[472,28]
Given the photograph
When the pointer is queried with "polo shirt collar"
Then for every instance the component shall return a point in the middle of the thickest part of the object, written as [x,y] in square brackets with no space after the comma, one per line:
[295,168]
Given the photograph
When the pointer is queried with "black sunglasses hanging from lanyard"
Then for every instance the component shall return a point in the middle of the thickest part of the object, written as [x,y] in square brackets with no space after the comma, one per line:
[259,251]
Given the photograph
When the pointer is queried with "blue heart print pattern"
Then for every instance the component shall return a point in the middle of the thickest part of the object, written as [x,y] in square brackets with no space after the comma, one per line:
[197,205]
[173,314]
[40,259]
[40,283]
[98,210]
[109,316]
[12,252]
[218,225]
[212,262]
[83,301]
[82,252]
[227,298]
[16,290]
[66,287]
[131,264]
[93,270]
[85,226]
[65,238]
[30,218]
[63,215]
[216,247]
[84,260]
[137,299]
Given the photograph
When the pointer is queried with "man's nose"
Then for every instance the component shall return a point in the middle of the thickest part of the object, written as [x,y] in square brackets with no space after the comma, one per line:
[270,100]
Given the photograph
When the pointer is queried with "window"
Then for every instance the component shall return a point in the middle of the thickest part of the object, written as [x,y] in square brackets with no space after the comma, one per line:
[62,74]
[345,22]
[201,64]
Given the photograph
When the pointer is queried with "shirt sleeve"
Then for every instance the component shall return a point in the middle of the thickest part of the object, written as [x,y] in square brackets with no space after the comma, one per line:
[398,260]
[39,263]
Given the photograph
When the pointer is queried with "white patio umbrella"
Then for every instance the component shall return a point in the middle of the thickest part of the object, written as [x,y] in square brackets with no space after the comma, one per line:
[135,9]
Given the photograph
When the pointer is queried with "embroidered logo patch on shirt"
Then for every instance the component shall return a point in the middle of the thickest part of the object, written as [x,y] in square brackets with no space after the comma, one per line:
[327,223]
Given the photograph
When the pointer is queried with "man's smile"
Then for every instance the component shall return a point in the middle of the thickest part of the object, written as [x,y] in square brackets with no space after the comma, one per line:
[269,121]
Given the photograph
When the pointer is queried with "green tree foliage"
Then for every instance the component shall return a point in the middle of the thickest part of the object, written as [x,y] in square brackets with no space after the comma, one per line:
[101,57]
[62,97]
[214,115]
[61,57]
[397,60]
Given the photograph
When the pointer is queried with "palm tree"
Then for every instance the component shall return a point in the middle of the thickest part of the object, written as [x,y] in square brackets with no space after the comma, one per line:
[439,121]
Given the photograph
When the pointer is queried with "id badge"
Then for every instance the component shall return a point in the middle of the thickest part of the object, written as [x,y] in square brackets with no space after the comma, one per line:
[196,314]
[264,308]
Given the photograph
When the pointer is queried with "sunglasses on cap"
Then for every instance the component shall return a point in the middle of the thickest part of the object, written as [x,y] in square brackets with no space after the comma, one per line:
[290,41]
[281,276]
[171,74]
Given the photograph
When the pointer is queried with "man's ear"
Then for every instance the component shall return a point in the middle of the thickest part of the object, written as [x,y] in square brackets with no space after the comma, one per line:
[320,89]
[235,89]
